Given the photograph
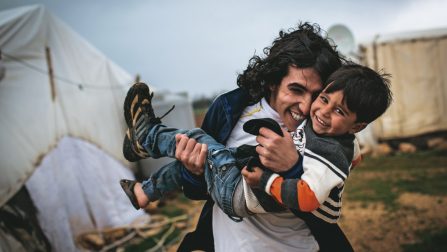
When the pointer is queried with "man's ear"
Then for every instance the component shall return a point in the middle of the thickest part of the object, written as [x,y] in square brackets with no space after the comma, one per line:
[357,127]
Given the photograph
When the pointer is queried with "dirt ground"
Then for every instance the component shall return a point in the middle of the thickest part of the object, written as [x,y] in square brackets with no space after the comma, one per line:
[373,228]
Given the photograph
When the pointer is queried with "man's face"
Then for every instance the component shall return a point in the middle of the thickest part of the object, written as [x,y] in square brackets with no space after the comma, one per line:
[293,97]
[331,117]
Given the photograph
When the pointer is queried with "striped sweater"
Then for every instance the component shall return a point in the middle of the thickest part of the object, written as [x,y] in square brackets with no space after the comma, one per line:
[326,162]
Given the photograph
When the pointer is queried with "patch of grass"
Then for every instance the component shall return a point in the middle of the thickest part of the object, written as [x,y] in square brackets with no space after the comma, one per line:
[385,178]
[182,198]
[425,183]
[405,161]
[152,241]
[171,211]
[430,241]
[372,191]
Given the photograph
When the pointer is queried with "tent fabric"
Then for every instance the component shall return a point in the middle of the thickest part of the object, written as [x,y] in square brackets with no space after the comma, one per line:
[89,91]
[88,196]
[63,136]
[417,64]
[32,122]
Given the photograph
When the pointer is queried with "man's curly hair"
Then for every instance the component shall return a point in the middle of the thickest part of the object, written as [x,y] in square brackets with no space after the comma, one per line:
[302,47]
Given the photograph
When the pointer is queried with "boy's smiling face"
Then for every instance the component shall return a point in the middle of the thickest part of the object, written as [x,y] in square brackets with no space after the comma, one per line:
[330,115]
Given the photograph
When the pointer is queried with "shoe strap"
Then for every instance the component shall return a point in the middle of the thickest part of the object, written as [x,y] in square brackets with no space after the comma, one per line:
[165,114]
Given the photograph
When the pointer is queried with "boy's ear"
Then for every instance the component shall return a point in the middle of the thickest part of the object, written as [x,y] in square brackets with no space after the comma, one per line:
[357,127]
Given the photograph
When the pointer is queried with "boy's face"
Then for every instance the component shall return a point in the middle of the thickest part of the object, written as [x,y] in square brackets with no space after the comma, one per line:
[331,117]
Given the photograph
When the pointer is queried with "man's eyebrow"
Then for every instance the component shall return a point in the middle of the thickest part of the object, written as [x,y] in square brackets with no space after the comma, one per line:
[297,84]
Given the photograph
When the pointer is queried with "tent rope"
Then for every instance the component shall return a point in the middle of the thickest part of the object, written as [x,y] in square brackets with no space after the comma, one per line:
[81,86]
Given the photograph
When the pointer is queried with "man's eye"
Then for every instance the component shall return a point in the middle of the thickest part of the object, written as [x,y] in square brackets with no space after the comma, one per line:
[324,99]
[297,90]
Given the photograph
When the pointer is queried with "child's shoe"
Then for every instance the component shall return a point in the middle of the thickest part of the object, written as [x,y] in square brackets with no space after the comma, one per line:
[139,116]
[128,186]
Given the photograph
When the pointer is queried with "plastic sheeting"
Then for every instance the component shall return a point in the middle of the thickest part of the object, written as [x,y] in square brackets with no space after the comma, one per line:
[417,63]
[76,189]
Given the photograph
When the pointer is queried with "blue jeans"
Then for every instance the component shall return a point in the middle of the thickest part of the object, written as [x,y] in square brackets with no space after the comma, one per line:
[221,173]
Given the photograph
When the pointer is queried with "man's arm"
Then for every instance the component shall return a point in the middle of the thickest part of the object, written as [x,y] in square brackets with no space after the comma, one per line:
[193,155]
[279,153]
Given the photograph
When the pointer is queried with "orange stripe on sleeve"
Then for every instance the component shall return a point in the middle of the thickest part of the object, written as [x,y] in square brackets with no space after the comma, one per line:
[306,198]
[275,189]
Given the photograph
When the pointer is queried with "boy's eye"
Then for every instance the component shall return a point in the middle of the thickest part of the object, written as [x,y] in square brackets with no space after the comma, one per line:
[339,111]
[323,99]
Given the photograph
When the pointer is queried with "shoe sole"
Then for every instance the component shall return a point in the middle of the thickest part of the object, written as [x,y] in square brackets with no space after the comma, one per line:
[127,145]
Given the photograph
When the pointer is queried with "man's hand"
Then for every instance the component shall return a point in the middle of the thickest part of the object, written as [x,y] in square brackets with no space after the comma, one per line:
[252,178]
[190,153]
[275,152]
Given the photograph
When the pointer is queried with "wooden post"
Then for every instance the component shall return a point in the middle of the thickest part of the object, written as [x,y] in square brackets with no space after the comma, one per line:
[50,73]
[137,78]
[375,58]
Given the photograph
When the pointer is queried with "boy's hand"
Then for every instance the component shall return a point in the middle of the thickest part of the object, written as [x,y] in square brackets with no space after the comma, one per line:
[252,178]
[275,152]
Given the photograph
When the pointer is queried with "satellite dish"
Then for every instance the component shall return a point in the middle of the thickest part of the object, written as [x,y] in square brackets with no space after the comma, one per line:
[343,38]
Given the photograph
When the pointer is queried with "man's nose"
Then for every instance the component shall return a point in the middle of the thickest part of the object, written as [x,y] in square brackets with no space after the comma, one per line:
[305,104]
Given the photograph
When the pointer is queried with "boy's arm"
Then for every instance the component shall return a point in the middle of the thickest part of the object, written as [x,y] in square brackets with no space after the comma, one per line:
[292,193]
[319,178]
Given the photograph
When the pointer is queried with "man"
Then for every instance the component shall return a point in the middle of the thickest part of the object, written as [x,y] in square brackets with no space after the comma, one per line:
[280,85]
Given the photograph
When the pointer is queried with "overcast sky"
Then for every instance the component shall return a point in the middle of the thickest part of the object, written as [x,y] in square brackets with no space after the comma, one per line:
[200,46]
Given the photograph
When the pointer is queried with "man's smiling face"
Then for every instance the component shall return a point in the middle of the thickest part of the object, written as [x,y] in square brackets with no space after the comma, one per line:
[293,97]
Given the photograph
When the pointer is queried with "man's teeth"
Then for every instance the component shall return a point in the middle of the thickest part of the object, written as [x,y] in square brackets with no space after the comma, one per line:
[296,116]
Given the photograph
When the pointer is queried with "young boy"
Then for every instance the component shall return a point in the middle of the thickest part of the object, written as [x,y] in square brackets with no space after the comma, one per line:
[354,97]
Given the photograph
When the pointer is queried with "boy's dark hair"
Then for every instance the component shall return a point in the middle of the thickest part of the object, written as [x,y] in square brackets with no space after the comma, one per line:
[302,47]
[366,92]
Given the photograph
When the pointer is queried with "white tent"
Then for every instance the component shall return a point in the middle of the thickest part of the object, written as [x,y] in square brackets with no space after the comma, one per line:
[62,125]
[417,63]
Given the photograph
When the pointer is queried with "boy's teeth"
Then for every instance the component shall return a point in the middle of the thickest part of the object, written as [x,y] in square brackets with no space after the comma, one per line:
[321,121]
[296,116]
